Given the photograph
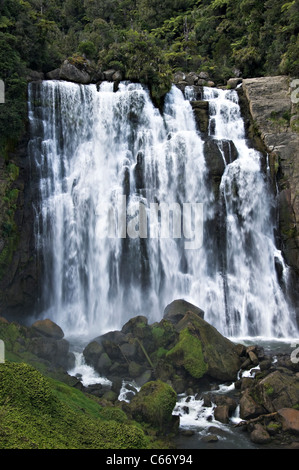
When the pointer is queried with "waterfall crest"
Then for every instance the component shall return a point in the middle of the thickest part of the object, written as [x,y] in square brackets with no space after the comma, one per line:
[126,221]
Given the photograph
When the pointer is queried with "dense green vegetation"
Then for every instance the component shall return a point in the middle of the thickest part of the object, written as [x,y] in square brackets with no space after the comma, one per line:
[147,39]
[40,413]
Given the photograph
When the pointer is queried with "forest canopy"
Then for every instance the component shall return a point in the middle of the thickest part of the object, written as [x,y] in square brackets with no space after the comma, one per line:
[148,40]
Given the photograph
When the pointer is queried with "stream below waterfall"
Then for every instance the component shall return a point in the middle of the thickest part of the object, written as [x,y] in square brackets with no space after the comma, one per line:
[198,427]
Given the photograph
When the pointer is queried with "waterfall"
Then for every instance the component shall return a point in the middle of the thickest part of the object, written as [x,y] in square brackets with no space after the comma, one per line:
[126,221]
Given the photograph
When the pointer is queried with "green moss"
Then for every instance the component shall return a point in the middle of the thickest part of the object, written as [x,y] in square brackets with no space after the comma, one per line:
[39,413]
[161,352]
[163,333]
[8,206]
[154,404]
[12,171]
[273,427]
[188,353]
[113,413]
[295,125]
[157,332]
[269,389]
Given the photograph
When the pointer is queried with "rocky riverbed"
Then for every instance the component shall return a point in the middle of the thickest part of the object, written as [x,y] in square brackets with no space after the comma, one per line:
[183,377]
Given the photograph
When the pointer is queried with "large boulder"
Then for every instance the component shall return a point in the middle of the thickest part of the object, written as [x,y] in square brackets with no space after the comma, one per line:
[54,351]
[177,309]
[201,350]
[277,390]
[249,408]
[260,435]
[154,404]
[270,393]
[42,344]
[290,420]
[48,328]
[73,74]
[47,342]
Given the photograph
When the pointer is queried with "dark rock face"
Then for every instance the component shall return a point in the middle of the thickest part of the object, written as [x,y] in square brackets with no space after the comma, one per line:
[217,156]
[18,268]
[201,114]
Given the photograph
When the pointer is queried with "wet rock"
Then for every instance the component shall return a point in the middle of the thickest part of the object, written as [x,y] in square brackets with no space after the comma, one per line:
[265,364]
[53,74]
[248,406]
[48,328]
[220,359]
[180,349]
[277,390]
[253,358]
[108,74]
[92,353]
[289,418]
[71,73]
[221,413]
[95,389]
[210,439]
[217,155]
[259,435]
[104,363]
[232,83]
[188,433]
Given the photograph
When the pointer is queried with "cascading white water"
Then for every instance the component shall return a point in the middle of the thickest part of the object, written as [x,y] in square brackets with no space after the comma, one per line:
[98,154]
[255,303]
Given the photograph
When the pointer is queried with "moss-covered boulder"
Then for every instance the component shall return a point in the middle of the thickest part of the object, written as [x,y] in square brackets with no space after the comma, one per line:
[154,404]
[182,348]
[203,350]
[188,353]
[41,345]
[278,389]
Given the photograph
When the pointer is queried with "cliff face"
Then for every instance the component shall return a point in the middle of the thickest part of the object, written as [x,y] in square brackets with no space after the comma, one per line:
[18,270]
[274,118]
[274,110]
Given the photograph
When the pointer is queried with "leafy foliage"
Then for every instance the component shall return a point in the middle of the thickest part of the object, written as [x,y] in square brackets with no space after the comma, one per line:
[148,39]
